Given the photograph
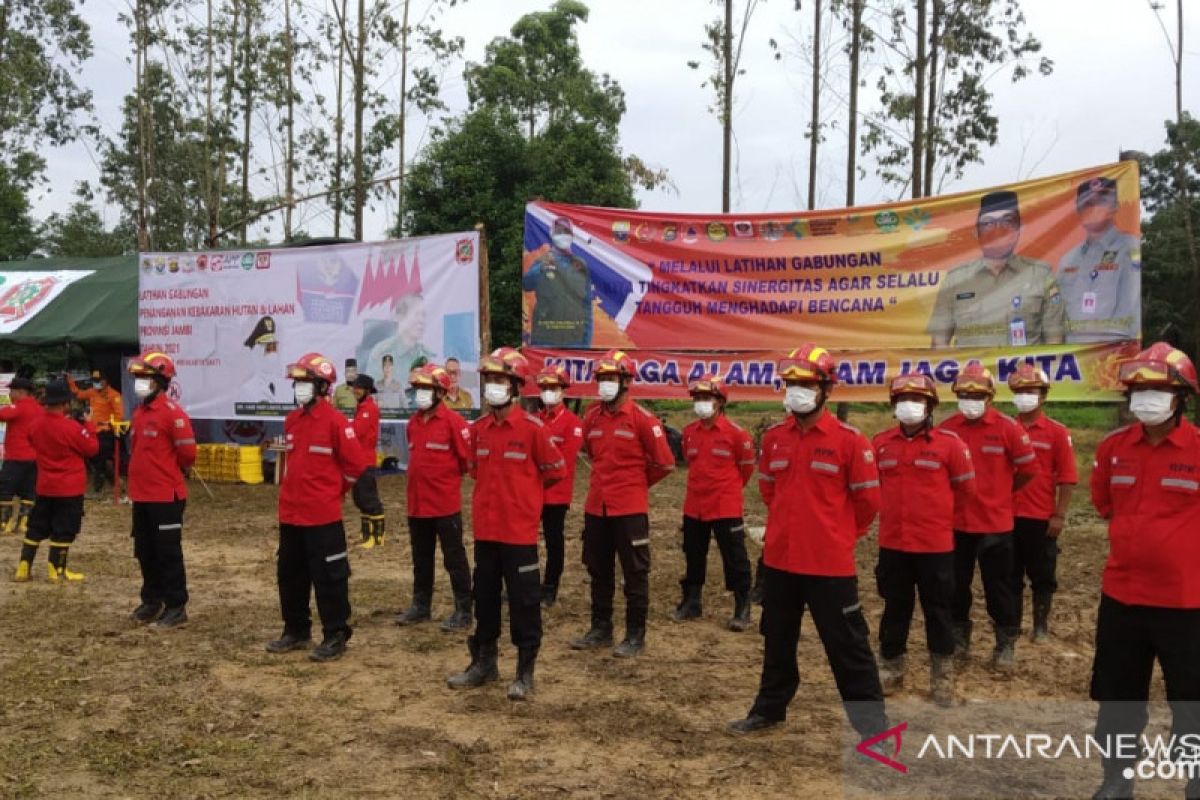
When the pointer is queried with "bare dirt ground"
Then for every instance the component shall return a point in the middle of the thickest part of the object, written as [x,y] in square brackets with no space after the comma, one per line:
[92,705]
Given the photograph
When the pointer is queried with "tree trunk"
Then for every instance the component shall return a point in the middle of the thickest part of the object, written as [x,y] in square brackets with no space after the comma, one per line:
[143,226]
[852,125]
[360,97]
[289,158]
[727,106]
[339,125]
[918,144]
[247,99]
[403,117]
[931,99]
[227,103]
[815,127]
[209,168]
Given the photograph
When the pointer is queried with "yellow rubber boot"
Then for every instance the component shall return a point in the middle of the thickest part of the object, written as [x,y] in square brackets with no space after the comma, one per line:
[23,516]
[8,516]
[377,528]
[22,574]
[57,565]
[368,538]
[28,553]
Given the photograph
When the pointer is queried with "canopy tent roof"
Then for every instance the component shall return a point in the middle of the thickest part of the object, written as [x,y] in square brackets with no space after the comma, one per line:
[100,309]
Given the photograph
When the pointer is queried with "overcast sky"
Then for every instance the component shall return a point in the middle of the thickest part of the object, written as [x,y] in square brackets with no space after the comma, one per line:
[1112,88]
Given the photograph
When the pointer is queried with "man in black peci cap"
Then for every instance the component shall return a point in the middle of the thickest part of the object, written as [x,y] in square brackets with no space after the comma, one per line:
[1000,298]
[343,396]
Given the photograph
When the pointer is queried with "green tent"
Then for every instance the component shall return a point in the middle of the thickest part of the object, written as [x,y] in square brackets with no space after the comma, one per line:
[99,311]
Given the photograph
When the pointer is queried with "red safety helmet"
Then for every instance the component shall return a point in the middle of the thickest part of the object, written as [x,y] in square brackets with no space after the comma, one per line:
[1028,376]
[507,362]
[913,383]
[709,384]
[1162,365]
[153,364]
[313,367]
[554,376]
[616,362]
[974,377]
[808,362]
[430,376]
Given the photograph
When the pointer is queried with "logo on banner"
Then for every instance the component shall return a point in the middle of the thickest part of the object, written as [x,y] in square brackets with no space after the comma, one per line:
[670,231]
[743,229]
[464,251]
[172,264]
[202,262]
[771,230]
[160,265]
[690,235]
[262,261]
[189,264]
[645,231]
[717,232]
[620,232]
[796,228]
[887,221]
[23,298]
[217,263]
[247,261]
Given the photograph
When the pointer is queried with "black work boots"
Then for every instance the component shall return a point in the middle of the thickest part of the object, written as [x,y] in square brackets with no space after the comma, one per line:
[482,668]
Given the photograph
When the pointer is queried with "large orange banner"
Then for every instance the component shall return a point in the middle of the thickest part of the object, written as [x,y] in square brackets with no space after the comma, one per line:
[1045,262]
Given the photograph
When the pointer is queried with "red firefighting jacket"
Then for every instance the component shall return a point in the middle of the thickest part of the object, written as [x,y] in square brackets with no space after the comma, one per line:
[323,459]
[822,492]
[1000,449]
[366,426]
[720,460]
[513,460]
[438,457]
[629,454]
[63,446]
[566,433]
[1151,499]
[19,418]
[161,448]
[1056,465]
[923,480]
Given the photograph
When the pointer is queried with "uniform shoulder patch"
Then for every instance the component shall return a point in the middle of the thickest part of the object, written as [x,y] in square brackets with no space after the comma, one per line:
[849,427]
[645,411]
[949,433]
[534,420]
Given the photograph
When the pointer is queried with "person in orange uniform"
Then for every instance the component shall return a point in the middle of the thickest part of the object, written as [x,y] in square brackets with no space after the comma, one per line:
[1004,462]
[107,408]
[720,460]
[162,448]
[819,482]
[63,445]
[18,476]
[514,460]
[1146,483]
[1040,507]
[566,432]
[324,460]
[366,490]
[438,457]
[925,474]
[629,454]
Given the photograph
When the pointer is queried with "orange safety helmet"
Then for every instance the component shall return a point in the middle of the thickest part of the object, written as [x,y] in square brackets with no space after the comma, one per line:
[974,377]
[1028,376]
[1162,365]
[507,362]
[709,384]
[153,364]
[913,383]
[554,376]
[808,362]
[313,367]
[430,376]
[616,362]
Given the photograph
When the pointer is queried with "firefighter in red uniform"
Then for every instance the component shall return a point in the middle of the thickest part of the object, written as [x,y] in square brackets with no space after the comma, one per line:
[324,459]
[819,482]
[162,448]
[566,432]
[1146,483]
[514,460]
[925,473]
[720,460]
[1040,507]
[1004,462]
[18,476]
[63,445]
[629,454]
[438,457]
[366,489]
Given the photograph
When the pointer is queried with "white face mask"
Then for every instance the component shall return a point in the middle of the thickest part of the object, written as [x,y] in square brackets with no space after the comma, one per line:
[143,387]
[800,399]
[608,390]
[304,392]
[562,241]
[1151,406]
[551,397]
[1026,402]
[496,394]
[910,412]
[423,398]
[704,408]
[972,409]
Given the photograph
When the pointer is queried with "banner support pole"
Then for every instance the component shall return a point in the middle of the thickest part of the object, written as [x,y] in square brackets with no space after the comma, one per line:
[485,306]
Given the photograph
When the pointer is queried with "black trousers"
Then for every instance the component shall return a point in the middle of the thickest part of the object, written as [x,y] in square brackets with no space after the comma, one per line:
[994,552]
[554,521]
[424,533]
[512,568]
[900,576]
[58,519]
[730,534]
[313,558]
[1128,640]
[158,547]
[18,479]
[366,494]
[606,539]
[100,463]
[1035,555]
[838,615]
